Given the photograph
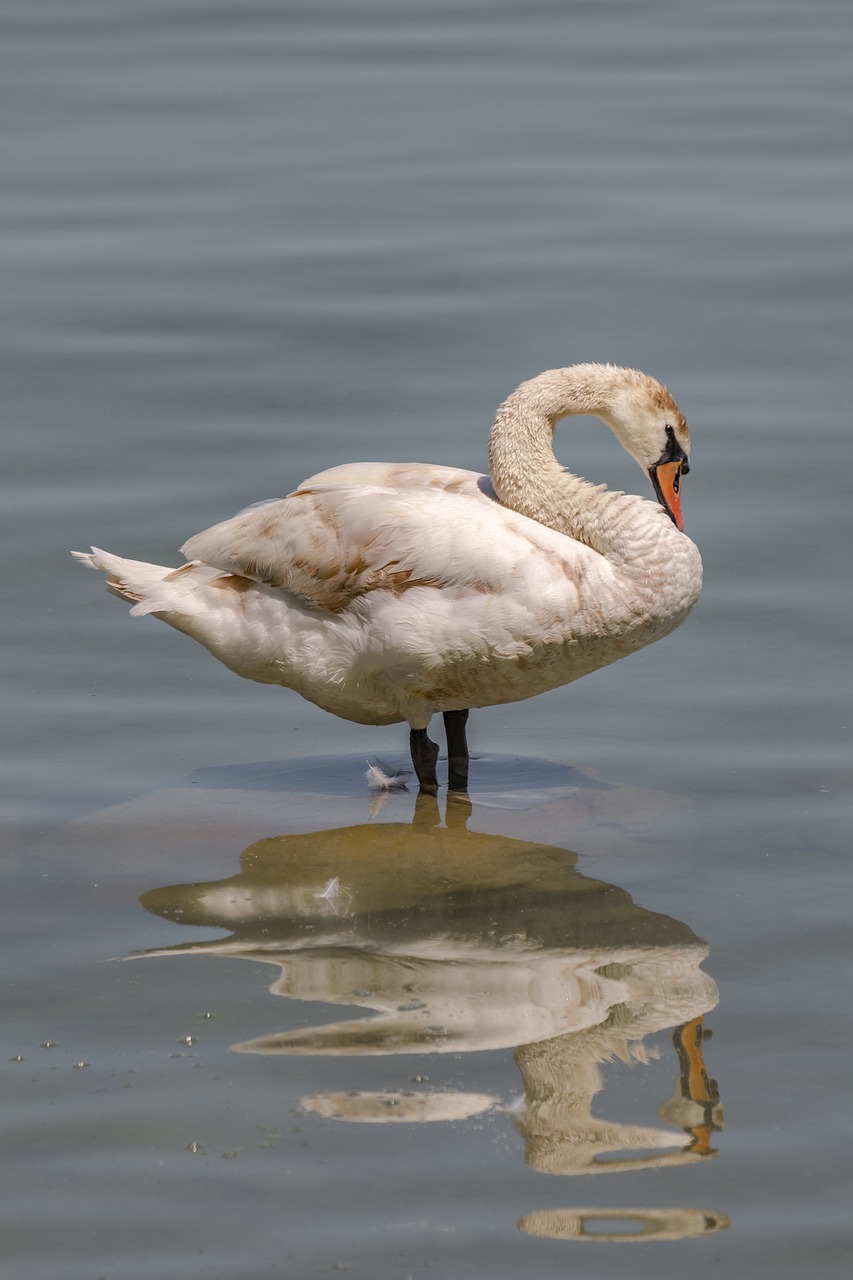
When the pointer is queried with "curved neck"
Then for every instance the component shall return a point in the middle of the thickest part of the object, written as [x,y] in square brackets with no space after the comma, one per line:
[525,473]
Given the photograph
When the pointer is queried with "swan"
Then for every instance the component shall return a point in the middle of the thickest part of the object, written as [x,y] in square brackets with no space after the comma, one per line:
[386,592]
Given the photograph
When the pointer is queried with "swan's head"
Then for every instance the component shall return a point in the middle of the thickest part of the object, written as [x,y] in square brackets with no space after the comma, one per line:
[649,424]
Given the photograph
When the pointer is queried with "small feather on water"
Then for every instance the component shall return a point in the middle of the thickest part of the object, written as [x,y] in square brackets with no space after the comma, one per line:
[336,895]
[382,777]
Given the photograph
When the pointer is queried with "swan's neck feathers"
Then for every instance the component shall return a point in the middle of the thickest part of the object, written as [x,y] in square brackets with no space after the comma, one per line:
[527,476]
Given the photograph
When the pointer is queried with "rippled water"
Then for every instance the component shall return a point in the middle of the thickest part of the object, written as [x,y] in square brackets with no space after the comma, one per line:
[244,242]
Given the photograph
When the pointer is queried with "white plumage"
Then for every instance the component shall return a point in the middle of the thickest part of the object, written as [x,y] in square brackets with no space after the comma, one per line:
[386,592]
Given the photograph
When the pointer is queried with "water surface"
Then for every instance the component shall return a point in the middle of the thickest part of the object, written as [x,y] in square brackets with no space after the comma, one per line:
[241,244]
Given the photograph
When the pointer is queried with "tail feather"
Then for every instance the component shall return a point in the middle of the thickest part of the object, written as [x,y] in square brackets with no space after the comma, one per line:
[150,588]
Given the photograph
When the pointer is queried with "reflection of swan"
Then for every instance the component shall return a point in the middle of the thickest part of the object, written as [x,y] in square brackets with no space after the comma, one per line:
[386,593]
[460,941]
[648,1224]
[397,1106]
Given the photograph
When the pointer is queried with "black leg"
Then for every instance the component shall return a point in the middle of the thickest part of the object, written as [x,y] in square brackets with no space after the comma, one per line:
[457,750]
[424,755]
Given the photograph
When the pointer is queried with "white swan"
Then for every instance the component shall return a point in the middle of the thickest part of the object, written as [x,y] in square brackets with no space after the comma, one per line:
[387,592]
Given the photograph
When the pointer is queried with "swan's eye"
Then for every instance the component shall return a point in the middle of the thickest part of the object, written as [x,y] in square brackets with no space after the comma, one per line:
[670,431]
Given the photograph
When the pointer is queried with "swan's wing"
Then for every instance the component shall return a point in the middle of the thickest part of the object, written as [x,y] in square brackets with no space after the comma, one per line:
[368,527]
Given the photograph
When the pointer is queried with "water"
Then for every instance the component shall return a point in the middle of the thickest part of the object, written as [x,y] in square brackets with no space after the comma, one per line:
[242,243]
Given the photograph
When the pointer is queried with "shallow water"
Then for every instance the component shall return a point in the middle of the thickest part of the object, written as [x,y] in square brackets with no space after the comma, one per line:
[241,244]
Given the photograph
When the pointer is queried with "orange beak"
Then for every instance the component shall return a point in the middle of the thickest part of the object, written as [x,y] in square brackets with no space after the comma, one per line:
[666,478]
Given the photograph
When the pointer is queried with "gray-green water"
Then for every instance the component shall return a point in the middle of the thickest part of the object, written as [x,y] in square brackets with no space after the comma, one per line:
[244,242]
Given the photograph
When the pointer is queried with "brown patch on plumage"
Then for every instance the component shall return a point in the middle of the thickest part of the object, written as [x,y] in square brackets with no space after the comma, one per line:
[233,582]
[176,573]
[335,585]
[117,588]
[459,485]
[662,399]
[336,592]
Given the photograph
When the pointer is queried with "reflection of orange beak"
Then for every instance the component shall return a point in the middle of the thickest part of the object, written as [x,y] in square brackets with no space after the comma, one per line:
[695,1082]
[666,477]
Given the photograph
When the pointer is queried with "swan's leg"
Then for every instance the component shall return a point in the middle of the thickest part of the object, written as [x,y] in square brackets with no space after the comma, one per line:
[424,755]
[457,750]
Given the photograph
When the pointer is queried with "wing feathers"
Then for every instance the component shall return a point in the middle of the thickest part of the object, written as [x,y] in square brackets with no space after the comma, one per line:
[340,537]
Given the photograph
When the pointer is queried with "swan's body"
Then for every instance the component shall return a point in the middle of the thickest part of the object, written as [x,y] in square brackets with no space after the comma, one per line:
[388,592]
